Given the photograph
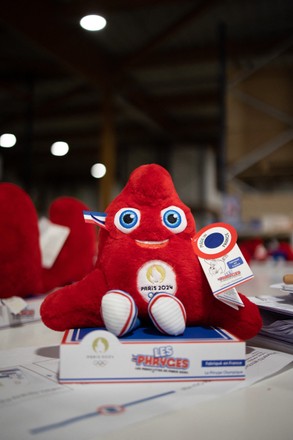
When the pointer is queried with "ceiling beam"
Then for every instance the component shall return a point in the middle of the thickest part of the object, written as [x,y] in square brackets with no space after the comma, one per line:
[278,48]
[134,134]
[260,153]
[237,50]
[263,107]
[190,17]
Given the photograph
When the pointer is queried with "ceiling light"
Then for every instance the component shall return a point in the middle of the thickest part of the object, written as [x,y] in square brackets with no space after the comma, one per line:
[59,148]
[98,170]
[7,140]
[93,22]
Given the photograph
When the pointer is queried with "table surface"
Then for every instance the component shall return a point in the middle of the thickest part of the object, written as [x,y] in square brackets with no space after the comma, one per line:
[262,411]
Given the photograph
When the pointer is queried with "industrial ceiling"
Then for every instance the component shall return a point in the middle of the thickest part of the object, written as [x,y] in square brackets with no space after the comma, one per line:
[161,74]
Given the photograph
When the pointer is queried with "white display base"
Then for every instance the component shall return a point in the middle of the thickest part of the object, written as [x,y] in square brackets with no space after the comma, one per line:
[95,355]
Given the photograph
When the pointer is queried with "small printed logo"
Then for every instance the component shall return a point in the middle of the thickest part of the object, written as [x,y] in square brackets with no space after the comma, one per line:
[100,345]
[156,274]
[214,241]
[101,356]
[162,359]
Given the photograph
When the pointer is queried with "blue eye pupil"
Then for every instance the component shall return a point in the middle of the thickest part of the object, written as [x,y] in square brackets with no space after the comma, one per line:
[128,219]
[172,219]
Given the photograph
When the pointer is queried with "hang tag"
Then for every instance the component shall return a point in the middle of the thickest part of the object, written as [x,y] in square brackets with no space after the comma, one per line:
[222,262]
[15,304]
[231,298]
[52,239]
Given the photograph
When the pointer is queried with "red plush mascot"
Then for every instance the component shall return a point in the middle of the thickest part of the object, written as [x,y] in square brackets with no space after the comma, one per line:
[146,269]
[20,255]
[21,271]
[76,258]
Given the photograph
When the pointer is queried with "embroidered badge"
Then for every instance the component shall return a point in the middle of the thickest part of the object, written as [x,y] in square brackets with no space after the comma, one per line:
[156,276]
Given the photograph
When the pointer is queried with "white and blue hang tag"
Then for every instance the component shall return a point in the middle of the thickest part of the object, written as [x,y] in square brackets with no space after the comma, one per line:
[96,218]
[222,262]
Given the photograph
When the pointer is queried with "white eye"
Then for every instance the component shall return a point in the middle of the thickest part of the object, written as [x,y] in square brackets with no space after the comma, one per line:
[127,219]
[174,219]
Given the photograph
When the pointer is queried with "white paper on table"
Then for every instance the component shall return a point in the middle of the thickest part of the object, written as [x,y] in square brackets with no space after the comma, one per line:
[280,304]
[52,239]
[283,287]
[46,409]
[15,304]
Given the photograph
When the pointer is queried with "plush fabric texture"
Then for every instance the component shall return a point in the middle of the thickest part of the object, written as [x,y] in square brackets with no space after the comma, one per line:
[20,256]
[144,248]
[76,258]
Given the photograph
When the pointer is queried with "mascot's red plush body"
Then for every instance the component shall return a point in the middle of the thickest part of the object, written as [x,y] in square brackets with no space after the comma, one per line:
[147,266]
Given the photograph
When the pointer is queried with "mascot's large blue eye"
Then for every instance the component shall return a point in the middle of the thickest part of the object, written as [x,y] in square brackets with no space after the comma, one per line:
[127,219]
[174,219]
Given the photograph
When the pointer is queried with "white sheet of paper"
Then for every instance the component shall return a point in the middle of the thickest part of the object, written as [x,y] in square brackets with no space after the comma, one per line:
[280,304]
[46,409]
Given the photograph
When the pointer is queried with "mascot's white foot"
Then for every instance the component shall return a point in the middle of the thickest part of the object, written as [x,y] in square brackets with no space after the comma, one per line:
[168,314]
[119,312]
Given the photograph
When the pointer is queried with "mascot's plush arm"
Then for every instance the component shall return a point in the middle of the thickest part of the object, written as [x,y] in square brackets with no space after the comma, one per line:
[76,305]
